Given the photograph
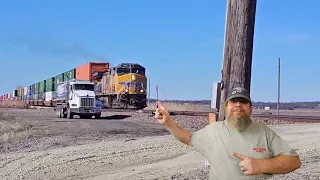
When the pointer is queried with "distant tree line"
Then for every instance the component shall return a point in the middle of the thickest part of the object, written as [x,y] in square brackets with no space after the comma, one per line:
[258,105]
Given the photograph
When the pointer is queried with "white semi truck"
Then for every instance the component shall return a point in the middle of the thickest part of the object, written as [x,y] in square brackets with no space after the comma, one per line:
[76,97]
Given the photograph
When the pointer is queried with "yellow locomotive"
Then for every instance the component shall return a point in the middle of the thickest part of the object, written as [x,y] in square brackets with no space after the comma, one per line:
[123,86]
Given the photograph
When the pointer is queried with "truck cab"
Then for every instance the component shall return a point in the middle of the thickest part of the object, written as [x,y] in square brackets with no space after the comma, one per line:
[77,97]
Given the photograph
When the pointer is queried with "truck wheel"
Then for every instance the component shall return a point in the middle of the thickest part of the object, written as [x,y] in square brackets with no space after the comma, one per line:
[69,114]
[59,113]
[98,116]
[64,114]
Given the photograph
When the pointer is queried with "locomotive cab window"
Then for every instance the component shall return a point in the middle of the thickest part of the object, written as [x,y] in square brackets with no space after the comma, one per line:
[123,71]
[138,71]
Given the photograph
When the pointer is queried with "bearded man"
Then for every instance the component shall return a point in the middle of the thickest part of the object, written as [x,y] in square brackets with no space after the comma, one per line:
[238,147]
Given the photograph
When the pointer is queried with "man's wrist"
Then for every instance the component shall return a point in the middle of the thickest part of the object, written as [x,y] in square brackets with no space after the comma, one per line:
[262,166]
[169,124]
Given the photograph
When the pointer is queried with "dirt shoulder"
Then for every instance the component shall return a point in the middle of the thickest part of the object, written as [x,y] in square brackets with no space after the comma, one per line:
[134,147]
[41,130]
[158,157]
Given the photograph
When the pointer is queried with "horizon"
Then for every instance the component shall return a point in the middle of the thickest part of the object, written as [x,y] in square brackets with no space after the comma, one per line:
[48,38]
[252,101]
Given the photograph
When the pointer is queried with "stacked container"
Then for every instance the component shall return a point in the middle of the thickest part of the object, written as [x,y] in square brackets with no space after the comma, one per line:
[59,78]
[29,93]
[32,88]
[25,93]
[20,94]
[71,74]
[41,87]
[36,91]
[87,71]
[50,88]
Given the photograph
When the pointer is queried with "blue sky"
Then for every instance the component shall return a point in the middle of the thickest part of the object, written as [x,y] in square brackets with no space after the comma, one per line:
[179,42]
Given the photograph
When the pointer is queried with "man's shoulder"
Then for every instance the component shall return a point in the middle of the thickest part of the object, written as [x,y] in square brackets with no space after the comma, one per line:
[258,124]
[213,126]
[216,125]
[260,127]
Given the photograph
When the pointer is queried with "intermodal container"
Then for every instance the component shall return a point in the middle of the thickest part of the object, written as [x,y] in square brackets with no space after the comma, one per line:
[59,78]
[50,84]
[36,91]
[15,93]
[29,93]
[71,74]
[25,90]
[86,71]
[42,89]
[42,86]
[33,89]
[20,94]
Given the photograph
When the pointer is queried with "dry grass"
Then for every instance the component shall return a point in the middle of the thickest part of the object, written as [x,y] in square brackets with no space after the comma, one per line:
[296,112]
[206,108]
[13,129]
[171,106]
[14,104]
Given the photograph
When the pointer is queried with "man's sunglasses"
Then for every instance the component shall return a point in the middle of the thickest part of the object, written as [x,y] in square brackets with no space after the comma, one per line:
[240,100]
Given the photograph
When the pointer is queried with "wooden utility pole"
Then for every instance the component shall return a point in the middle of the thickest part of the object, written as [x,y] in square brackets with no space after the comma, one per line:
[238,45]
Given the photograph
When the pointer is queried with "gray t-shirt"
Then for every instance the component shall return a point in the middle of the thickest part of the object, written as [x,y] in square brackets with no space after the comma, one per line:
[216,142]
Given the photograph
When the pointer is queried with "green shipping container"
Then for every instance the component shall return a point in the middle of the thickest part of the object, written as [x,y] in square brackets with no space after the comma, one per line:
[50,85]
[71,74]
[33,89]
[36,91]
[42,86]
[59,78]
[35,97]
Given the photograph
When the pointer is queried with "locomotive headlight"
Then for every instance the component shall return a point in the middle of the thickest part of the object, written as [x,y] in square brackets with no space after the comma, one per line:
[126,90]
[133,77]
[141,90]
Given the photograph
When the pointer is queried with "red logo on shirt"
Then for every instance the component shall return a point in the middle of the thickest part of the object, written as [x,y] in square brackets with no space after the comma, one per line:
[257,149]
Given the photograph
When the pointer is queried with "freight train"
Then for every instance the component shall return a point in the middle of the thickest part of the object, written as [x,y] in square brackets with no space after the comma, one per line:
[122,86]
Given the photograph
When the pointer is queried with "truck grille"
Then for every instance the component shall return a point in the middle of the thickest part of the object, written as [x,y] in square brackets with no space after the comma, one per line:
[87,102]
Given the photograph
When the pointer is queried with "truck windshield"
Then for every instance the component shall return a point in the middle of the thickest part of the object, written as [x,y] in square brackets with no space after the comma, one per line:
[123,71]
[138,71]
[88,87]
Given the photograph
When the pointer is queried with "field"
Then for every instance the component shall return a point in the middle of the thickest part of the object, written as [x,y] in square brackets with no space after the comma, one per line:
[35,144]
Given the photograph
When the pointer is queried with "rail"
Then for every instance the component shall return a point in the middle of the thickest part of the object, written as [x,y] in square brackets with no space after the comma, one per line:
[205,113]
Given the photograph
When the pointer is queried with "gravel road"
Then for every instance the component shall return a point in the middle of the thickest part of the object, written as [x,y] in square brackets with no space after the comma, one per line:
[126,146]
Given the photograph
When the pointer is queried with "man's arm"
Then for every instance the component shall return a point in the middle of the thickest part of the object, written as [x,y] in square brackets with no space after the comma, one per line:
[284,158]
[183,135]
[281,164]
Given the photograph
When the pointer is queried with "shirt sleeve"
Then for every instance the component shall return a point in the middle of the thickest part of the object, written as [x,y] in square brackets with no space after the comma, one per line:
[198,140]
[278,145]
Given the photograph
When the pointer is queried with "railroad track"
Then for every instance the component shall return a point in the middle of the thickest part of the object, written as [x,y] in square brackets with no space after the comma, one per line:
[205,113]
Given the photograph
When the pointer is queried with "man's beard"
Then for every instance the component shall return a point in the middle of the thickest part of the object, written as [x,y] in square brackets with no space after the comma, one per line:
[241,123]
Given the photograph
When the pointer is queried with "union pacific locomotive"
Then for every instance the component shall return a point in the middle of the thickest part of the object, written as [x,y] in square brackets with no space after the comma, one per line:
[123,86]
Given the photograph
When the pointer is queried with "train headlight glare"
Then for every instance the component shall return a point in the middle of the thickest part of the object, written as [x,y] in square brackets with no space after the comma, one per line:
[133,77]
[141,90]
[127,90]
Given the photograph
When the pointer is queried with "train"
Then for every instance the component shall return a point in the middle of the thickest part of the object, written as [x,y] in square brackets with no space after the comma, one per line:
[122,86]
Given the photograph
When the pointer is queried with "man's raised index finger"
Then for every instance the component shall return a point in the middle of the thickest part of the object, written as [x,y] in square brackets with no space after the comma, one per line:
[159,104]
[240,156]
